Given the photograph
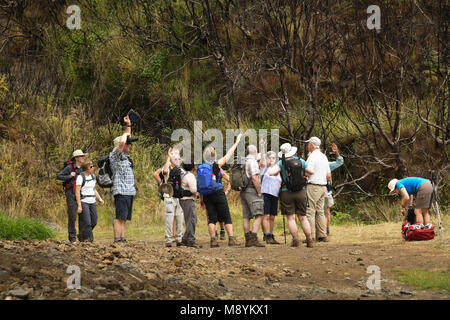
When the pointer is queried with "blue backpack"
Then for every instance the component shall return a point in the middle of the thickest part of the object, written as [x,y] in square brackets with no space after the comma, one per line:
[207,180]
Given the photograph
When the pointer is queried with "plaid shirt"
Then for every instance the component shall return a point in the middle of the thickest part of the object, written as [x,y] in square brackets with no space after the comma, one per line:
[123,176]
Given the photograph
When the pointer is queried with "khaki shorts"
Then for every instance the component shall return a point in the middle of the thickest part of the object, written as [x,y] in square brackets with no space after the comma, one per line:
[293,202]
[424,195]
[328,203]
[252,205]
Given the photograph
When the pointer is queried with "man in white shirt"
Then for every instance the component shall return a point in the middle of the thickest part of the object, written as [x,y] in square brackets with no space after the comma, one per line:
[316,189]
[187,203]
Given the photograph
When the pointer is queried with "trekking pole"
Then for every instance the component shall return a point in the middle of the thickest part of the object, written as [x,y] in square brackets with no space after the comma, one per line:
[435,205]
[284,228]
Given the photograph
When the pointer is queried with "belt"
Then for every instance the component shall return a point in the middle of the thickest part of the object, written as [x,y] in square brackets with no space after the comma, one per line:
[315,184]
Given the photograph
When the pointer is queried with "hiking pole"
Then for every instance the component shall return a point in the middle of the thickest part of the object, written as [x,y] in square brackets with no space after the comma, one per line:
[435,205]
[284,228]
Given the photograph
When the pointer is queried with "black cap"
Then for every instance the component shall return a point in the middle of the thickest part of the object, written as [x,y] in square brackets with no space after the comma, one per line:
[131,140]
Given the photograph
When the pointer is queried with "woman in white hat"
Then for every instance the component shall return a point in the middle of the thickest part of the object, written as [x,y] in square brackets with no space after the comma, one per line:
[293,202]
[422,189]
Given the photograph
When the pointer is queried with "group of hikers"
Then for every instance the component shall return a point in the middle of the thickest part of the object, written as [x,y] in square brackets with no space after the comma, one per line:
[303,189]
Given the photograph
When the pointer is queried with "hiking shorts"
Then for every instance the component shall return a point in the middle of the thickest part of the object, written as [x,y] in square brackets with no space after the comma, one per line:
[328,203]
[270,204]
[293,202]
[252,205]
[217,206]
[124,206]
[424,195]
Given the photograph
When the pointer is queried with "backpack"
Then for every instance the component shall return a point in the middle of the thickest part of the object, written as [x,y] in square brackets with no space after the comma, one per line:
[411,232]
[175,180]
[105,174]
[238,177]
[207,179]
[295,174]
[69,184]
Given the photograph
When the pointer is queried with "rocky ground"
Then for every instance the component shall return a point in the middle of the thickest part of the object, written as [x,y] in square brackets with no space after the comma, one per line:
[147,270]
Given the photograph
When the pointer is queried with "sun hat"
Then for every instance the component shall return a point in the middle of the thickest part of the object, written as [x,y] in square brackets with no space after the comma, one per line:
[288,150]
[392,184]
[315,141]
[78,153]
[166,188]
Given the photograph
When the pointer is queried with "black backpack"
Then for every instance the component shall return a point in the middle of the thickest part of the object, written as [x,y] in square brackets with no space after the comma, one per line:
[175,180]
[70,183]
[295,174]
[105,174]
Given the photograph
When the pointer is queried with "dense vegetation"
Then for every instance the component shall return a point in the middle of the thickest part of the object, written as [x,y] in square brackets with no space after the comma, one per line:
[306,67]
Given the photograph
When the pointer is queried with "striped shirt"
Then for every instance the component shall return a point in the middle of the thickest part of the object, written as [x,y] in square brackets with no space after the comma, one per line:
[123,176]
[270,184]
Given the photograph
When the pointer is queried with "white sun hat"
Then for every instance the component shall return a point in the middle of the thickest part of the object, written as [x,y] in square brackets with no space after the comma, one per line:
[288,150]
[78,153]
[392,184]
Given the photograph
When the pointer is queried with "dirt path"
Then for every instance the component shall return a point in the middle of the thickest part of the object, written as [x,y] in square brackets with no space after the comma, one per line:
[147,270]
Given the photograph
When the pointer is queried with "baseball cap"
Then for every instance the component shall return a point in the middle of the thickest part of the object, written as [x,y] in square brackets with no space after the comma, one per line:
[392,184]
[315,141]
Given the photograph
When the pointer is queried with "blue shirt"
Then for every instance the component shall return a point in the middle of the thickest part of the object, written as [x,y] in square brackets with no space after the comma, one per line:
[411,184]
[123,176]
[284,174]
[336,164]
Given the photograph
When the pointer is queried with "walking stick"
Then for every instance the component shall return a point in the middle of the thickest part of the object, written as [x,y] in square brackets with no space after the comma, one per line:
[284,228]
[435,205]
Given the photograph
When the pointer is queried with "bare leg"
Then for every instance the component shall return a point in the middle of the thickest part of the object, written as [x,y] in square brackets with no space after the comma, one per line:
[271,223]
[257,223]
[292,225]
[212,230]
[266,224]
[419,217]
[229,229]
[426,216]
[246,223]
[305,226]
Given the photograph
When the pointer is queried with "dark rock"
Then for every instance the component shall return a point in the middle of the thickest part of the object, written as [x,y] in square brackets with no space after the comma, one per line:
[220,283]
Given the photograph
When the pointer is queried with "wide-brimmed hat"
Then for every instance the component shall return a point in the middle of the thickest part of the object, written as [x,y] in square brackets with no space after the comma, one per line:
[315,141]
[78,153]
[392,184]
[166,188]
[287,150]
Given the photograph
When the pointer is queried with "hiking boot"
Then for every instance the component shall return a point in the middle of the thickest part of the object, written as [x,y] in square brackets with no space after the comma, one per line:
[117,240]
[273,240]
[123,240]
[72,240]
[323,239]
[214,243]
[253,241]
[232,241]
[295,243]
[309,243]
[180,243]
[168,245]
[193,245]
[264,237]
[222,234]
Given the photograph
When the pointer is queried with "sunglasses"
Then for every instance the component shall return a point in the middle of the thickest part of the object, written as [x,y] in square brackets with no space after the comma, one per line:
[92,167]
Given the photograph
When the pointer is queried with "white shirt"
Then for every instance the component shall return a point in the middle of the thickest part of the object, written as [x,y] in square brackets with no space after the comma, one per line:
[319,163]
[188,182]
[88,189]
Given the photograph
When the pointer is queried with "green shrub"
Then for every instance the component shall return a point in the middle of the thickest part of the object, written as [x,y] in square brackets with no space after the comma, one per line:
[24,229]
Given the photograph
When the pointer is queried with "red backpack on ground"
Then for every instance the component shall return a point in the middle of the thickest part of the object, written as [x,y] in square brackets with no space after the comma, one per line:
[411,232]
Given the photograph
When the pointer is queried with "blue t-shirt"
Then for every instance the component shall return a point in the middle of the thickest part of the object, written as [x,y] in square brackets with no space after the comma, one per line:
[411,184]
[284,174]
